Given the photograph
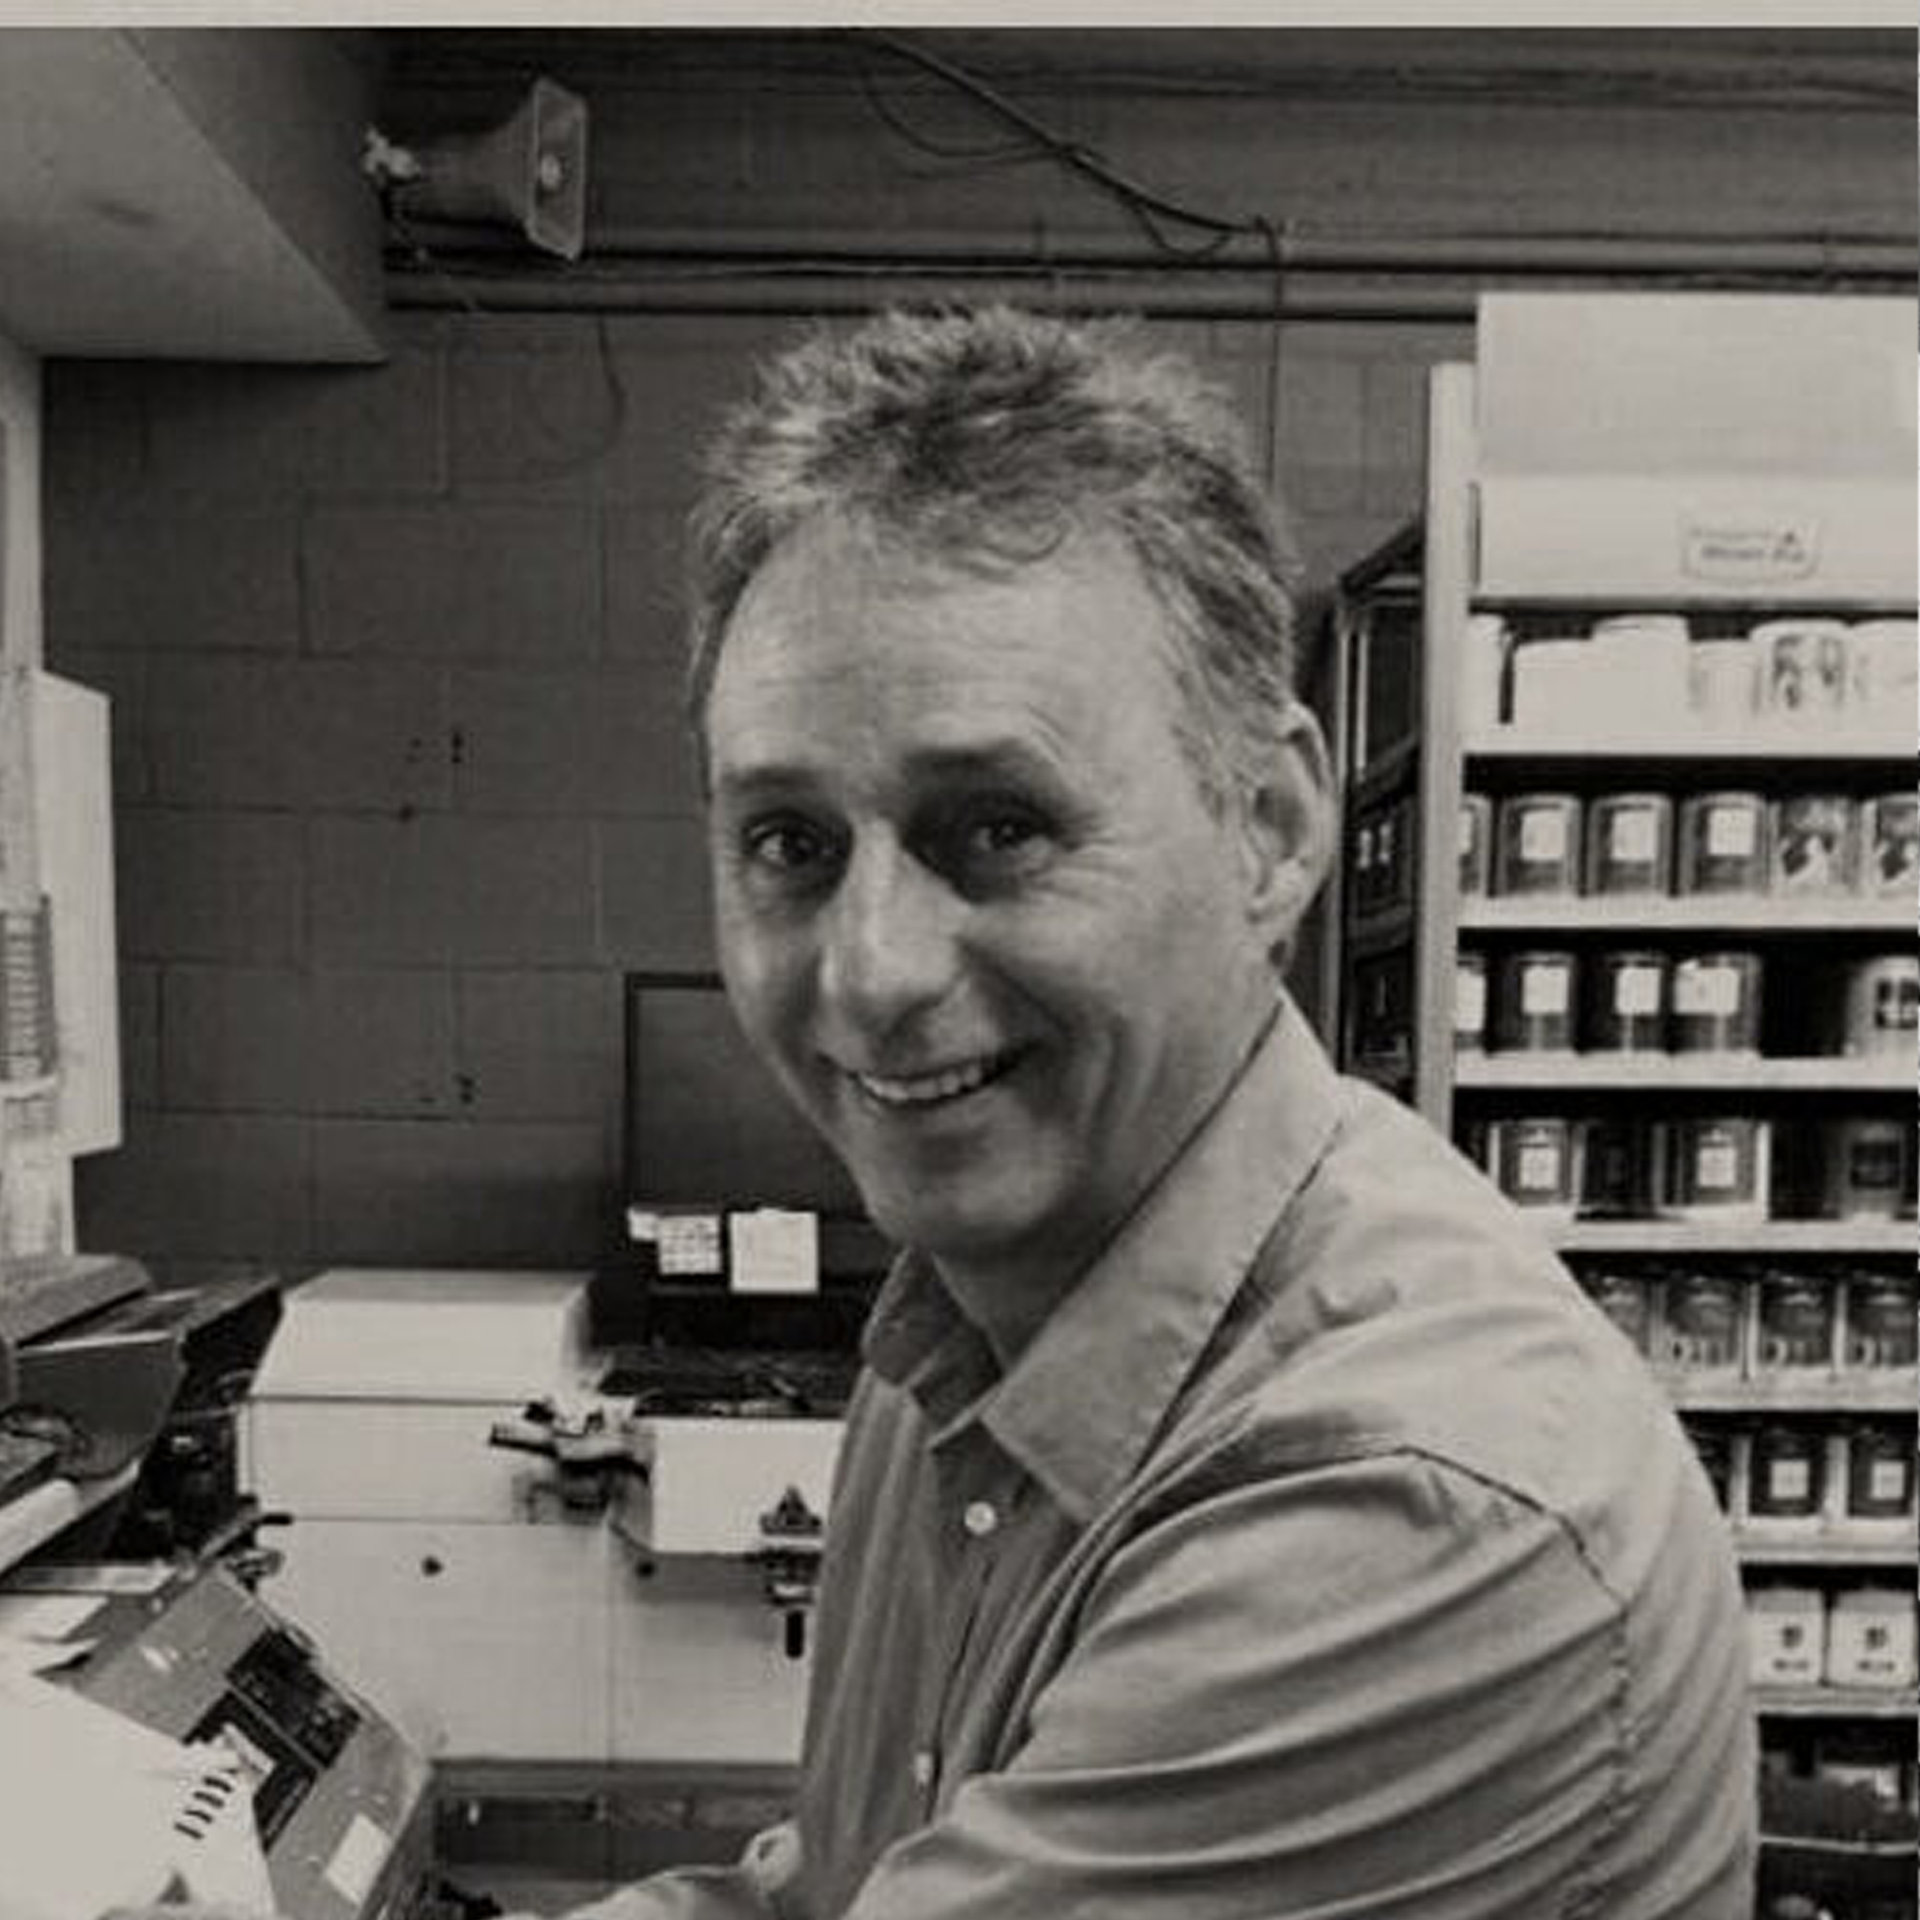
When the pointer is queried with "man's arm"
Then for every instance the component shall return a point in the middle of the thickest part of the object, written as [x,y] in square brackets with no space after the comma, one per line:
[1377,1690]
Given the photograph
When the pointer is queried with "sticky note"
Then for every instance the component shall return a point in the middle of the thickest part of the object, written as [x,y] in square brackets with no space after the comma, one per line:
[773,1250]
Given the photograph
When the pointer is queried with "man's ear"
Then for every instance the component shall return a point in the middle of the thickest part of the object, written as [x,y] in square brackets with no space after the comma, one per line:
[1288,827]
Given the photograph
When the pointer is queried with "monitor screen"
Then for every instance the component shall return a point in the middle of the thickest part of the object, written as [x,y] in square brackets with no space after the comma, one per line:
[707,1124]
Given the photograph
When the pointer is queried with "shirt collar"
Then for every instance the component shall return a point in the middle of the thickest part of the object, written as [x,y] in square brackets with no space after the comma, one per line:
[1080,1405]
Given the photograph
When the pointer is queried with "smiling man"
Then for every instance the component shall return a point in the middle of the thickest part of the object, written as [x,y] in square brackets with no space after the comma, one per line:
[1240,1516]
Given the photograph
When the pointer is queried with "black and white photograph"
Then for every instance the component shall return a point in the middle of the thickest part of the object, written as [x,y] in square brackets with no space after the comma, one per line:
[959,964]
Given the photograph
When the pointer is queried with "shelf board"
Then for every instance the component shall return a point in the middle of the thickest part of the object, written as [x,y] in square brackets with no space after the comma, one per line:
[1754,1237]
[1834,1703]
[1824,1393]
[1759,740]
[1758,1547]
[1626,916]
[50,1508]
[1668,1072]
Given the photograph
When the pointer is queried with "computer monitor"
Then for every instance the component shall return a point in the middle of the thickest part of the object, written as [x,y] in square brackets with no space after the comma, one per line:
[707,1126]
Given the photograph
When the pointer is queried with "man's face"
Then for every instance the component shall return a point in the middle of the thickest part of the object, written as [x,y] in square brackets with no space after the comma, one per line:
[970,903]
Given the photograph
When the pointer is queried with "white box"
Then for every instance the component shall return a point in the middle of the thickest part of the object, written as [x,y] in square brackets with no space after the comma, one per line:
[1872,1640]
[1787,1631]
[709,1481]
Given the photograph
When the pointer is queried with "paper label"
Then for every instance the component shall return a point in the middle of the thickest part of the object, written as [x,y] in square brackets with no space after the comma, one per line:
[1636,991]
[1544,991]
[689,1244]
[1539,1169]
[1749,552]
[1543,835]
[1716,1167]
[1466,832]
[1469,1001]
[1634,836]
[1732,833]
[1707,992]
[1887,1482]
[773,1250]
[1789,1481]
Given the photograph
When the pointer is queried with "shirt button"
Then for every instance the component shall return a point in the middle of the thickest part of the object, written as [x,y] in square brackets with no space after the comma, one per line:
[980,1519]
[923,1767]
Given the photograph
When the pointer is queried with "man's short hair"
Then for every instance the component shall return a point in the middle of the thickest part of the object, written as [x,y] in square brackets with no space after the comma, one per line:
[983,440]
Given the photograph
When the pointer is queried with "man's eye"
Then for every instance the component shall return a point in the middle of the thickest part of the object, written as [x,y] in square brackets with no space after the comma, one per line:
[785,846]
[1003,833]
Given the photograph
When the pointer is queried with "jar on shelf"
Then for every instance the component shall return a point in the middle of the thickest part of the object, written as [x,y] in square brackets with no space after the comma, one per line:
[1787,1471]
[1882,1017]
[1786,1635]
[1717,1168]
[1793,1323]
[1626,1010]
[1803,670]
[1630,1300]
[1871,1643]
[1868,1168]
[1880,1470]
[1476,844]
[1637,675]
[1700,1322]
[1533,1009]
[1629,844]
[1868,1757]
[1889,865]
[1533,1163]
[1720,680]
[1721,843]
[1880,1325]
[1552,681]
[1716,1003]
[1883,675]
[1469,1001]
[1537,844]
[1812,845]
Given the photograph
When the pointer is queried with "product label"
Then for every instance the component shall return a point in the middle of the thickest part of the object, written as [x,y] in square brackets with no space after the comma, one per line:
[1466,832]
[1543,835]
[1469,1001]
[1636,992]
[1789,1481]
[1633,837]
[1873,1164]
[1749,552]
[1732,833]
[1887,1483]
[1706,993]
[1716,1166]
[1539,1170]
[1544,991]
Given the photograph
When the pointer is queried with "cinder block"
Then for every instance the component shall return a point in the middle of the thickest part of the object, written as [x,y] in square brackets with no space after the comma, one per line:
[573,743]
[1396,417]
[646,604]
[139,985]
[464,582]
[234,432]
[544,418]
[94,441]
[283,1041]
[457,1194]
[123,678]
[208,886]
[301,733]
[540,1046]
[185,580]
[656,899]
[441,892]
[200,1186]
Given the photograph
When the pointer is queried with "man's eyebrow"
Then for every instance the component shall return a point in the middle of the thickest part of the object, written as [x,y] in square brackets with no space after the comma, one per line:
[993,759]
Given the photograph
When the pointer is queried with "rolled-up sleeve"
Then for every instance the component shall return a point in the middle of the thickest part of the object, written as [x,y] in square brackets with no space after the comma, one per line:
[1379,1688]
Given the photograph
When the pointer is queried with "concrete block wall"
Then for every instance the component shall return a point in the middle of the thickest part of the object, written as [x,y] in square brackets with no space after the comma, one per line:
[393,652]
[402,787]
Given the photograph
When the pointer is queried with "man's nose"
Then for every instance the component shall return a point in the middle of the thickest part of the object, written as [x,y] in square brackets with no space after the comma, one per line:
[887,949]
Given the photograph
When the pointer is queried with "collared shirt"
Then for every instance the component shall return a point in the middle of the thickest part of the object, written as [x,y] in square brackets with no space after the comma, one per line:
[1326,1554]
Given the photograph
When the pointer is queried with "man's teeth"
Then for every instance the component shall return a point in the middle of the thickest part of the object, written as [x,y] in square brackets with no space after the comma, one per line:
[928,1087]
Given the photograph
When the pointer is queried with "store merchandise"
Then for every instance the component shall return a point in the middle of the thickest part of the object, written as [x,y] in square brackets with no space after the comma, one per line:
[1786,1471]
[1812,844]
[1537,844]
[1882,1014]
[1637,675]
[1721,843]
[1795,1319]
[1787,1635]
[1629,844]
[1867,1168]
[1803,670]
[1880,1470]
[1533,1009]
[1890,845]
[1626,1002]
[1552,678]
[1615,1160]
[1470,1002]
[1883,660]
[1717,1168]
[1878,1320]
[1628,1299]
[1716,1002]
[1533,1163]
[1720,679]
[1476,844]
[1702,1324]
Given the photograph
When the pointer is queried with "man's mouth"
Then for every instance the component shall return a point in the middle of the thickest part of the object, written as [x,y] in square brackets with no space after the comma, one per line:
[934,1089]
